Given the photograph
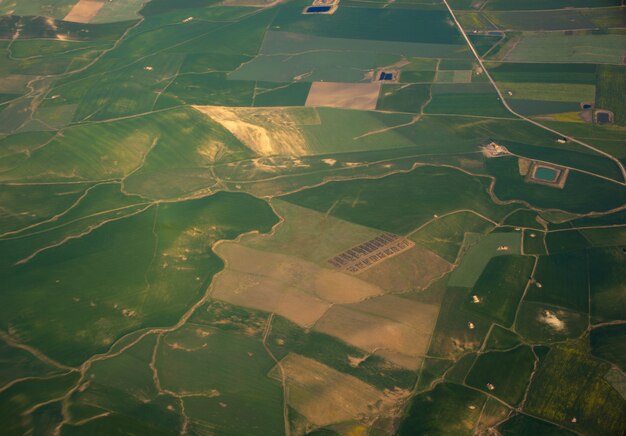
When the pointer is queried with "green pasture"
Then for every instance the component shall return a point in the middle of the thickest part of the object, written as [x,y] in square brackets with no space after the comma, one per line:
[611,83]
[524,218]
[555,47]
[563,279]
[487,105]
[431,370]
[501,339]
[151,280]
[549,4]
[22,396]
[500,288]
[604,237]
[452,336]
[403,98]
[607,344]
[458,373]
[582,193]
[546,20]
[478,254]
[27,205]
[230,369]
[408,25]
[552,73]
[281,94]
[540,322]
[525,425]
[570,384]
[447,409]
[566,92]
[373,203]
[606,271]
[445,236]
[508,371]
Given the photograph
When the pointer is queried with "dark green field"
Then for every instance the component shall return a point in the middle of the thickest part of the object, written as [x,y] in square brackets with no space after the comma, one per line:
[218,218]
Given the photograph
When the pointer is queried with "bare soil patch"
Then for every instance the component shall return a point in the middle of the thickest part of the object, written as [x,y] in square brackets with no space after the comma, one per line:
[395,326]
[266,131]
[324,395]
[294,288]
[361,96]
[84,11]
[411,270]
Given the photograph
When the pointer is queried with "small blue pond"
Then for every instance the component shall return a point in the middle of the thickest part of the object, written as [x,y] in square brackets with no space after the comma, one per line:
[603,118]
[547,174]
[385,76]
[318,9]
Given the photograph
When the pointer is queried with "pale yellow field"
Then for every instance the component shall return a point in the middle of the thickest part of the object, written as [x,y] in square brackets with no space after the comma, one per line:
[311,235]
[84,11]
[294,288]
[361,96]
[412,270]
[324,395]
[266,131]
[398,328]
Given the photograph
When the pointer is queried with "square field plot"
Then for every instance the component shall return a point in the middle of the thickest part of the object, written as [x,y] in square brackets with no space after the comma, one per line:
[344,95]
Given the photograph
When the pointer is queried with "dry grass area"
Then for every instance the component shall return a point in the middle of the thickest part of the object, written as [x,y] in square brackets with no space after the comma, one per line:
[14,83]
[311,235]
[397,328]
[326,396]
[84,11]
[266,131]
[411,270]
[361,96]
[294,288]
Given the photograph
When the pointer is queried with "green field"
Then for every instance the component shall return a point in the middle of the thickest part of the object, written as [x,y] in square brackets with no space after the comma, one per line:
[611,80]
[507,371]
[500,288]
[606,269]
[606,343]
[218,218]
[570,384]
[439,188]
[564,281]
[447,409]
[551,47]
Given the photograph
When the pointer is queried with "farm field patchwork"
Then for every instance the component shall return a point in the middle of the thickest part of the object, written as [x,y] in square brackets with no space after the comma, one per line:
[286,217]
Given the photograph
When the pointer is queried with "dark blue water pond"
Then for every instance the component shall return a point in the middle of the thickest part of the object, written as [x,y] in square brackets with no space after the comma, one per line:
[318,9]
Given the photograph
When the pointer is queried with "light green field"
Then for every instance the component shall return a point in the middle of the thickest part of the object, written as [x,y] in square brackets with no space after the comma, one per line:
[176,176]
[570,383]
[219,368]
[550,91]
[445,235]
[477,256]
[568,48]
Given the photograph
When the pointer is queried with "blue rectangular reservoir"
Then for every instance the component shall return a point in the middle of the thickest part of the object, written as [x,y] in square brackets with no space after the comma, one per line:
[547,174]
[318,9]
